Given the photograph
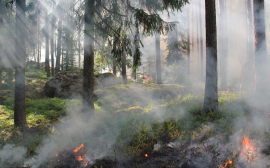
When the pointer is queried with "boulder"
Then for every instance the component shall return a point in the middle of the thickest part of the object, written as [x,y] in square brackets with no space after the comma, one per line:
[66,84]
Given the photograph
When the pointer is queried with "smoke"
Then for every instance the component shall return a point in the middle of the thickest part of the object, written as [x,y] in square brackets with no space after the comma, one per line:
[76,128]
[11,154]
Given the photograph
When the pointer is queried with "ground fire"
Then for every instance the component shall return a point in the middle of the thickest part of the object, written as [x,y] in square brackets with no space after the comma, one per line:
[147,79]
[227,164]
[248,149]
[81,155]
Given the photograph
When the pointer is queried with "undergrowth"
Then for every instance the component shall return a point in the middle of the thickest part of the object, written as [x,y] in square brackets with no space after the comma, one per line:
[137,116]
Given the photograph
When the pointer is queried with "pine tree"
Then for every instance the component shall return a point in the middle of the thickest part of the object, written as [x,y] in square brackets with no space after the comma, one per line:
[211,96]
[19,102]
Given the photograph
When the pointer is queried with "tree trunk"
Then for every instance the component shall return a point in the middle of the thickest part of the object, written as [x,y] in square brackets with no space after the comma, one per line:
[39,44]
[260,46]
[188,42]
[10,76]
[114,66]
[158,61]
[250,33]
[19,101]
[79,44]
[88,70]
[223,45]
[0,74]
[47,64]
[52,44]
[59,42]
[211,96]
[124,63]
[201,42]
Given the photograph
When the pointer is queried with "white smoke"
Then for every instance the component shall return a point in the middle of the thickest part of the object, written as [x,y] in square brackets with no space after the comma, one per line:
[12,154]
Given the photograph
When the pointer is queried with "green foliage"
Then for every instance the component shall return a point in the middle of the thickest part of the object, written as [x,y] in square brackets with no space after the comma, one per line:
[51,108]
[169,130]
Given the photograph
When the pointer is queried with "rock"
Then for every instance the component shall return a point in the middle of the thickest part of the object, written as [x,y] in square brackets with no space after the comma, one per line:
[66,84]
[108,79]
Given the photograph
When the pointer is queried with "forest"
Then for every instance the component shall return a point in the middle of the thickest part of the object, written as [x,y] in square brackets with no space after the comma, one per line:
[134,84]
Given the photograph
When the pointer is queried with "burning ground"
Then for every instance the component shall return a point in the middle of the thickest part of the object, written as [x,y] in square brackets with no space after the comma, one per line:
[138,125]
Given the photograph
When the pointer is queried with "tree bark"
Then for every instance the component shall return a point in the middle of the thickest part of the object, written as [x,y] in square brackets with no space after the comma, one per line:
[211,96]
[114,66]
[79,43]
[201,42]
[158,61]
[19,101]
[223,45]
[124,62]
[250,33]
[52,44]
[47,64]
[0,74]
[39,43]
[10,76]
[260,46]
[59,42]
[88,70]
[188,42]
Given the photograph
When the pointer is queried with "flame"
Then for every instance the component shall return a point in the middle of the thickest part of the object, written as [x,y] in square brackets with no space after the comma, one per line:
[146,155]
[248,149]
[229,162]
[78,148]
[266,114]
[147,78]
[82,158]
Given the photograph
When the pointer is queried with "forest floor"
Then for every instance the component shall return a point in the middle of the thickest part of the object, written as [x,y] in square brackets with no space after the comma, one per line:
[135,125]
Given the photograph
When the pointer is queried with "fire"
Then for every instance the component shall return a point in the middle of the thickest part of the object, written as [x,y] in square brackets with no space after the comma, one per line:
[248,149]
[79,158]
[82,158]
[147,78]
[146,155]
[229,162]
[79,148]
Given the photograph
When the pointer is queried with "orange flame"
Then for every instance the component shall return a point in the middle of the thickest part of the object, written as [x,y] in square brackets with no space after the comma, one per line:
[82,158]
[229,162]
[146,155]
[147,78]
[79,148]
[248,149]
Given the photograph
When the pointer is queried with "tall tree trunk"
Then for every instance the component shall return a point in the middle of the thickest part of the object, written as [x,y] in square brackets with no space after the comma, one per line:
[47,64]
[62,60]
[67,59]
[39,43]
[188,41]
[88,67]
[223,45]
[134,70]
[59,42]
[79,43]
[19,101]
[158,61]
[201,42]
[0,74]
[260,46]
[114,66]
[10,76]
[198,42]
[52,43]
[250,33]
[124,64]
[211,96]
